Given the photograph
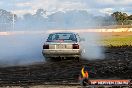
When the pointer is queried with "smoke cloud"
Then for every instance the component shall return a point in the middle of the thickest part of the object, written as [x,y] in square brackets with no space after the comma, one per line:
[26,48]
[92,49]
[20,49]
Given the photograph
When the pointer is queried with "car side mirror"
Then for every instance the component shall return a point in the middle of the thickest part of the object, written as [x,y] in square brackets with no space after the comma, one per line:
[82,39]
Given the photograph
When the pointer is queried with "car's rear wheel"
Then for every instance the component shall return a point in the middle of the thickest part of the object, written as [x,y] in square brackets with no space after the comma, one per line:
[47,59]
[52,59]
[77,58]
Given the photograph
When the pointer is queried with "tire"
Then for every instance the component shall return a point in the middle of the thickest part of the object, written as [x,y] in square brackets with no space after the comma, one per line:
[85,82]
[78,59]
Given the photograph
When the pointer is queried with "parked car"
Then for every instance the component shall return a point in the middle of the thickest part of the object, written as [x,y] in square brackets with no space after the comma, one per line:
[62,45]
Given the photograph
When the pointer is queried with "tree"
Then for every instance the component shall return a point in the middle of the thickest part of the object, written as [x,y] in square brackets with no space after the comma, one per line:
[120,17]
[6,17]
[40,12]
[7,20]
[130,17]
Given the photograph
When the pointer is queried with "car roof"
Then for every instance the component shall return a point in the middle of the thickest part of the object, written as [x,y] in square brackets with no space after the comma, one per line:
[63,32]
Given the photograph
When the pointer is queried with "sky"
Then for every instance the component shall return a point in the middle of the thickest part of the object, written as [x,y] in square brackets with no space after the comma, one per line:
[21,7]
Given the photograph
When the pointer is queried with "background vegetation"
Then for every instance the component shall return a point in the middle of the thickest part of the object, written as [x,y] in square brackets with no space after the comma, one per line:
[62,20]
[117,41]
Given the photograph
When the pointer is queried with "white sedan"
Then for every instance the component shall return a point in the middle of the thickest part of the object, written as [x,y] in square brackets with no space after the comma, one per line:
[62,45]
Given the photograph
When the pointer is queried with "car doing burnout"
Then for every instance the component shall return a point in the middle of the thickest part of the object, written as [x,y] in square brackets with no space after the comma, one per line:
[62,45]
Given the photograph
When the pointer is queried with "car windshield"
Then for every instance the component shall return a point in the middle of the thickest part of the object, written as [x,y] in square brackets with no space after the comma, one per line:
[62,37]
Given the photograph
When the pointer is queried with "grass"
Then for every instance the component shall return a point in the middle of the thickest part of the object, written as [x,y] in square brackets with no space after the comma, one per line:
[117,41]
